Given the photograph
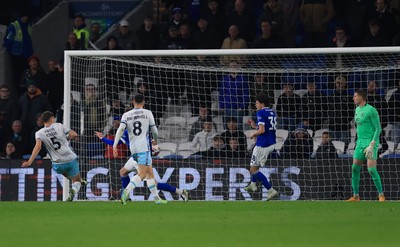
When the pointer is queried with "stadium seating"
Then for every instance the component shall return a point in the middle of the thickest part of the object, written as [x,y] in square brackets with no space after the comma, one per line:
[300,92]
[176,126]
[350,148]
[163,135]
[278,146]
[220,124]
[318,134]
[168,146]
[281,135]
[185,146]
[389,93]
[164,153]
[184,153]
[339,145]
[76,95]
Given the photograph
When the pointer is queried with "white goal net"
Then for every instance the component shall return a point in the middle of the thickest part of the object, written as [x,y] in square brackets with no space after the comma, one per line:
[202,101]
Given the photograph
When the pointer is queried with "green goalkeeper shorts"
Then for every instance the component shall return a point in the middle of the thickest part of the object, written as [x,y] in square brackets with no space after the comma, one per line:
[360,146]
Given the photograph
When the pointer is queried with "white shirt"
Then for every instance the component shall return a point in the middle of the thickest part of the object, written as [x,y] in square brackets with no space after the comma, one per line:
[55,140]
[204,140]
[138,122]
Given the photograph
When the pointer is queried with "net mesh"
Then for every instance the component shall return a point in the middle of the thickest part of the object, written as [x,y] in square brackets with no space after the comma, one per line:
[312,95]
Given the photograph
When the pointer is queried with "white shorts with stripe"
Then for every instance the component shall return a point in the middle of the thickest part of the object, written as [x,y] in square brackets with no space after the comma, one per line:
[260,155]
[131,165]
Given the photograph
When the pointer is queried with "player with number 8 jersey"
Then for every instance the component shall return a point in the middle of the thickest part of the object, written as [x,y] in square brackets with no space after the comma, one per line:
[139,122]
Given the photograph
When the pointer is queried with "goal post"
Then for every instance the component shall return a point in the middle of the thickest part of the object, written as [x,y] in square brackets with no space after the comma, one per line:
[177,84]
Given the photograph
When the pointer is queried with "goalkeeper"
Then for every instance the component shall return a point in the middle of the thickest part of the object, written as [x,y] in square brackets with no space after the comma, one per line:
[368,131]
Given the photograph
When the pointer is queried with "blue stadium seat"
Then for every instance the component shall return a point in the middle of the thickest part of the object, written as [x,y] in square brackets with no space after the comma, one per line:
[356,80]
[322,82]
[299,81]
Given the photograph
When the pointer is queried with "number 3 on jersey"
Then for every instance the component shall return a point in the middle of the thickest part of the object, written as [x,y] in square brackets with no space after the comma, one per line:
[272,122]
[137,128]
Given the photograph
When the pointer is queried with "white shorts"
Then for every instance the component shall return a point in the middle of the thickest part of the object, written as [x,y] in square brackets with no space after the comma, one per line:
[260,155]
[131,165]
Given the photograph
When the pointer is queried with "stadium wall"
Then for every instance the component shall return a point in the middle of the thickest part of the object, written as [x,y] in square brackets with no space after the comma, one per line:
[294,179]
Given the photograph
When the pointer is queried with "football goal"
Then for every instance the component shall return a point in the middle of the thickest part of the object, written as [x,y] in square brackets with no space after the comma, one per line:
[311,91]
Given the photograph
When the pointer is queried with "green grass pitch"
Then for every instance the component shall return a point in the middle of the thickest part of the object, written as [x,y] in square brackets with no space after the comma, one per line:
[301,223]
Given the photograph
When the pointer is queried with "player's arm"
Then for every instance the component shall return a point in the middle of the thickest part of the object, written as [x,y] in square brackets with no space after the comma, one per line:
[252,123]
[374,117]
[118,135]
[154,133]
[153,128]
[35,152]
[71,135]
[107,141]
[376,123]
[260,131]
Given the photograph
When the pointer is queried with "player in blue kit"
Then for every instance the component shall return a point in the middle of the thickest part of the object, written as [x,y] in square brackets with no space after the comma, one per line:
[132,165]
[265,144]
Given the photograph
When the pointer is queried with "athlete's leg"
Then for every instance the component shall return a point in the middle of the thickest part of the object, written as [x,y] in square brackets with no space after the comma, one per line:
[376,178]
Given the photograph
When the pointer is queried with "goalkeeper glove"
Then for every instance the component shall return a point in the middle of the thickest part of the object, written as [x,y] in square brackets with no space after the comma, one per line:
[369,151]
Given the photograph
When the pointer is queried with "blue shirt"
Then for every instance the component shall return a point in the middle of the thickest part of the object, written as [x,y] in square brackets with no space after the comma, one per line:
[266,117]
[124,139]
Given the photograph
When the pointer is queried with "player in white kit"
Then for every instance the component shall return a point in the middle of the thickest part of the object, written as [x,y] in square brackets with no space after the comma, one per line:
[139,122]
[55,137]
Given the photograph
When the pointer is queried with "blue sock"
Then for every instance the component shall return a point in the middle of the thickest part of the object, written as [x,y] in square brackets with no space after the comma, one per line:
[166,187]
[260,177]
[125,181]
[253,178]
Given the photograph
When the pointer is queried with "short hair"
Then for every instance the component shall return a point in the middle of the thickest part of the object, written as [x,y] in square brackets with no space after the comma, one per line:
[208,120]
[46,116]
[218,138]
[232,119]
[309,83]
[341,77]
[374,81]
[94,23]
[374,22]
[262,98]
[326,133]
[142,83]
[80,16]
[4,86]
[340,28]
[39,115]
[139,98]
[267,21]
[112,37]
[234,139]
[362,93]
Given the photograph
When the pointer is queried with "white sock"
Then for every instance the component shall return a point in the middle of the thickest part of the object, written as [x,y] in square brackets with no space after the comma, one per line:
[76,187]
[135,181]
[179,191]
[151,184]
[252,184]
